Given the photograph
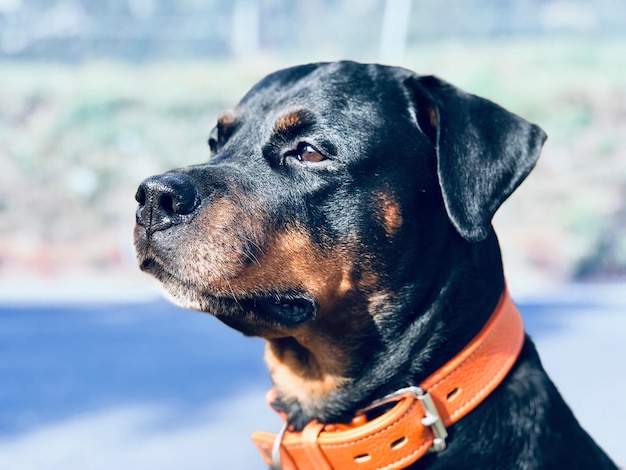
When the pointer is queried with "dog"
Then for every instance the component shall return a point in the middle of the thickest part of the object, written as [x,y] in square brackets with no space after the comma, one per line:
[345,217]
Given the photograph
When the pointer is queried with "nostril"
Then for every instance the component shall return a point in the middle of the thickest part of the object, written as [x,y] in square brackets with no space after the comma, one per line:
[166,203]
[178,203]
[185,205]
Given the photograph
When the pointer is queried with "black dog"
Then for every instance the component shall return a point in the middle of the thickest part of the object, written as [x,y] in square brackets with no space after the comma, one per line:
[345,216]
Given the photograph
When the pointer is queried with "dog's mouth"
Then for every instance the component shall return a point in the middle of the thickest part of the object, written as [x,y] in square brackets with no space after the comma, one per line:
[267,316]
[254,313]
[284,310]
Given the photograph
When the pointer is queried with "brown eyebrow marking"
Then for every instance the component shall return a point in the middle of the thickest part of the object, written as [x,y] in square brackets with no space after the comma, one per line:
[288,121]
[225,126]
[225,121]
[290,124]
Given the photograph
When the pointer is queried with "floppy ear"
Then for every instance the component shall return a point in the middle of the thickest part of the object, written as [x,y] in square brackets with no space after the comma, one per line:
[483,151]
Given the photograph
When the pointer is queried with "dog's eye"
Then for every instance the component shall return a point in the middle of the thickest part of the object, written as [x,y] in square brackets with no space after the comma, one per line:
[308,153]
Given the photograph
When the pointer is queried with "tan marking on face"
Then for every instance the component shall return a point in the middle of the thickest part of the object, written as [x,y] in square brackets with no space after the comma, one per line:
[288,121]
[214,248]
[293,260]
[389,214]
[232,253]
[215,254]
[316,361]
[287,260]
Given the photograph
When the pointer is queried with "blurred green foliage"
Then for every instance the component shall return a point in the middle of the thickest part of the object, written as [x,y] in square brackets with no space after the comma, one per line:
[75,141]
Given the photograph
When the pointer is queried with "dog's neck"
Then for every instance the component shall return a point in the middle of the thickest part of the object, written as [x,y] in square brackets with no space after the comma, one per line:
[446,317]
[446,397]
[465,302]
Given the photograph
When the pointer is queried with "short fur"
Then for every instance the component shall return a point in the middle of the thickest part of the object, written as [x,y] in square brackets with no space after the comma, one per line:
[345,216]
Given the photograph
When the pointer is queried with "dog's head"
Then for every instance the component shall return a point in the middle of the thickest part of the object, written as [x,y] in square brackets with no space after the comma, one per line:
[332,194]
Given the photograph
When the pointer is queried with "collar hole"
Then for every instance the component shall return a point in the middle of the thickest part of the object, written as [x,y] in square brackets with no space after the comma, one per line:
[398,443]
[453,394]
[362,458]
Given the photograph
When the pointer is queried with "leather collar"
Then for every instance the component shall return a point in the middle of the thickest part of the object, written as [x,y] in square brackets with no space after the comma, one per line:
[416,423]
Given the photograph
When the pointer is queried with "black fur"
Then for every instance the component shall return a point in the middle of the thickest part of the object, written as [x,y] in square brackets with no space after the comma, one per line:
[414,171]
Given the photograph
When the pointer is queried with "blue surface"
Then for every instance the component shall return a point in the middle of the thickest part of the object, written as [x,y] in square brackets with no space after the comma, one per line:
[60,360]
[148,385]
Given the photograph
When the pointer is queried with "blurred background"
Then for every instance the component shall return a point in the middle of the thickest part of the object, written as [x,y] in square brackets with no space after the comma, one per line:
[96,371]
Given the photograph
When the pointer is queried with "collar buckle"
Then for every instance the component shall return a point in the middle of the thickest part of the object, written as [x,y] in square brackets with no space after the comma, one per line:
[431,418]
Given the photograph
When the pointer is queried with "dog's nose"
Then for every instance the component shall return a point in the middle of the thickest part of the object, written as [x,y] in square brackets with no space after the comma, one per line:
[165,200]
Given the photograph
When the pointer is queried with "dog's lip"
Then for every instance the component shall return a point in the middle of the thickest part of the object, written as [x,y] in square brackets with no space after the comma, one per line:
[287,311]
[149,264]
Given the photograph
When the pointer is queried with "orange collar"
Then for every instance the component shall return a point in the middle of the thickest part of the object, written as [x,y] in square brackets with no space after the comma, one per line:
[417,423]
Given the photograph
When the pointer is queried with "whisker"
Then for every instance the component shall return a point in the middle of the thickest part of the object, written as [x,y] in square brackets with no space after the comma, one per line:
[230,287]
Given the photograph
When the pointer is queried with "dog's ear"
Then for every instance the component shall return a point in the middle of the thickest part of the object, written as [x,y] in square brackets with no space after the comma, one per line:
[483,151]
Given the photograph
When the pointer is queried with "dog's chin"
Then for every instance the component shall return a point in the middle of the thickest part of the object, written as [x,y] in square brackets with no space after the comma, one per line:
[266,314]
